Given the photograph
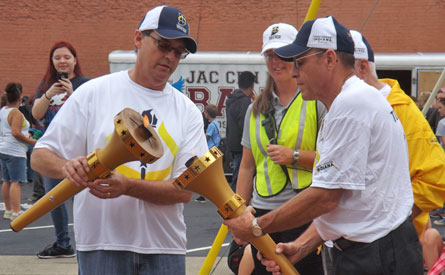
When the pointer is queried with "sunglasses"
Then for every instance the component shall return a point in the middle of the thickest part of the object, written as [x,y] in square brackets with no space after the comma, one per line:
[166,47]
[270,56]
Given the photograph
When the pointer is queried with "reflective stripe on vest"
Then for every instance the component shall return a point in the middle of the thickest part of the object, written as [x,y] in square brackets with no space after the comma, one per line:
[270,178]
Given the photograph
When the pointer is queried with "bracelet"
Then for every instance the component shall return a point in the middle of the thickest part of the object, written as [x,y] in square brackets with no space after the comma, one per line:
[47,96]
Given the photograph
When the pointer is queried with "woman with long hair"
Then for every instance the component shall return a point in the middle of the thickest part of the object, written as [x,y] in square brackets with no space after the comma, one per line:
[279,137]
[63,75]
[13,147]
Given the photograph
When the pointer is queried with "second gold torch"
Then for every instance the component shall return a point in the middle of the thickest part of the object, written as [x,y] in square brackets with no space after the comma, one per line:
[205,176]
[132,140]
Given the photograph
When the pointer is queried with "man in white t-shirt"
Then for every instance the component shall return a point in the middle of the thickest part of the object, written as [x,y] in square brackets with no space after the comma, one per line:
[361,193]
[426,157]
[131,222]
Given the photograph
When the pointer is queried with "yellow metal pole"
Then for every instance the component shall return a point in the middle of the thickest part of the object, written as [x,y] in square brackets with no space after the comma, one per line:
[312,11]
[213,253]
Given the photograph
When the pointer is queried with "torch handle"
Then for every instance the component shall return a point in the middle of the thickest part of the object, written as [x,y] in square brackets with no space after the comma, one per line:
[62,192]
[266,246]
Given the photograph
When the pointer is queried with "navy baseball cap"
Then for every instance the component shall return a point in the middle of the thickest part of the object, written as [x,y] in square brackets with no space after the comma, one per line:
[321,33]
[169,23]
[362,48]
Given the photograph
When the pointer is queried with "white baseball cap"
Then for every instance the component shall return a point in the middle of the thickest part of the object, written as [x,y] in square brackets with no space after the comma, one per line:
[278,35]
[362,48]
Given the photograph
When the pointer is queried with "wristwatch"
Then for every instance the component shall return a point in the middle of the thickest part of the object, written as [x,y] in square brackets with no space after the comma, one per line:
[296,156]
[256,229]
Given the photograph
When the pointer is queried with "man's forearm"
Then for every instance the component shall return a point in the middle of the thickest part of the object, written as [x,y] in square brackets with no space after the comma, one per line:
[301,209]
[47,163]
[157,192]
[308,241]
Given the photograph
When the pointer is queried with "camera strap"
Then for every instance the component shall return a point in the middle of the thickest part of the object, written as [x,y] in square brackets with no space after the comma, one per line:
[270,127]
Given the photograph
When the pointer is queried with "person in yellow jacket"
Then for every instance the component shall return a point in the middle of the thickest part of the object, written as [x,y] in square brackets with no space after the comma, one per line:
[280,132]
[426,157]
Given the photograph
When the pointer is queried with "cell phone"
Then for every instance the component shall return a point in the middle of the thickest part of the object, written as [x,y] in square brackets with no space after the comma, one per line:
[61,75]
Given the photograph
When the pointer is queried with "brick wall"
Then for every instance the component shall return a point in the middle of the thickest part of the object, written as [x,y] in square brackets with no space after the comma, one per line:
[95,28]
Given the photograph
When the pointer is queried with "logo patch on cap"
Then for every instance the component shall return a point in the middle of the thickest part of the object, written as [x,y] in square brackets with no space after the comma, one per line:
[181,23]
[322,39]
[360,51]
[274,32]
[181,20]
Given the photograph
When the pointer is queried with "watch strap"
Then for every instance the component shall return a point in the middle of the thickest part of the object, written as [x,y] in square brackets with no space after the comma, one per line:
[296,156]
[256,229]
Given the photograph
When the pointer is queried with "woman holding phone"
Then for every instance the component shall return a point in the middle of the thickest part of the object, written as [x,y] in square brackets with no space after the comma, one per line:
[63,75]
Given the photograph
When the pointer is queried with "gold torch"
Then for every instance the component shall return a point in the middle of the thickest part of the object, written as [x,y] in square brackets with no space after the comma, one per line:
[132,140]
[205,176]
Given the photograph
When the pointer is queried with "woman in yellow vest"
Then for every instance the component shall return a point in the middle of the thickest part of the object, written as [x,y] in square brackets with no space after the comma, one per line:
[279,137]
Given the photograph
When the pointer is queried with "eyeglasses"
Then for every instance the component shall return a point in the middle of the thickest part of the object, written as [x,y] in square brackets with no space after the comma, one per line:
[166,47]
[296,61]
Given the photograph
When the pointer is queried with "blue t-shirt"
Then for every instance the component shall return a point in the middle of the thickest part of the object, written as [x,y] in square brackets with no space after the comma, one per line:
[213,133]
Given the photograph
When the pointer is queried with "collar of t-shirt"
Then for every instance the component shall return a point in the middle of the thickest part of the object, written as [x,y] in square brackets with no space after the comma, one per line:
[385,90]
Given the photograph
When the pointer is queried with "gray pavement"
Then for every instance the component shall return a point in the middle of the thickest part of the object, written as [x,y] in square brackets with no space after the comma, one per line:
[31,265]
[17,250]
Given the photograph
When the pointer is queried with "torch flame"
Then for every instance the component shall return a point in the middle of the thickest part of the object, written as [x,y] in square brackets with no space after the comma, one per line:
[146,121]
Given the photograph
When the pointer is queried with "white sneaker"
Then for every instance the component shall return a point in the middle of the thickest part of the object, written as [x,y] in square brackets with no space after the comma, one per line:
[14,215]
[7,214]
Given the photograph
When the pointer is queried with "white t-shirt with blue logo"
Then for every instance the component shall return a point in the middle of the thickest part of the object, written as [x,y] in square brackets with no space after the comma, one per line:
[86,122]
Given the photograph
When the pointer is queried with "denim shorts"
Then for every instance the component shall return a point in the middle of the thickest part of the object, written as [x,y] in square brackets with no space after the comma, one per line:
[126,262]
[13,168]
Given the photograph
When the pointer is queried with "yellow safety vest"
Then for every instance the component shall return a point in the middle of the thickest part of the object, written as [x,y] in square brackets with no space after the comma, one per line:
[297,130]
